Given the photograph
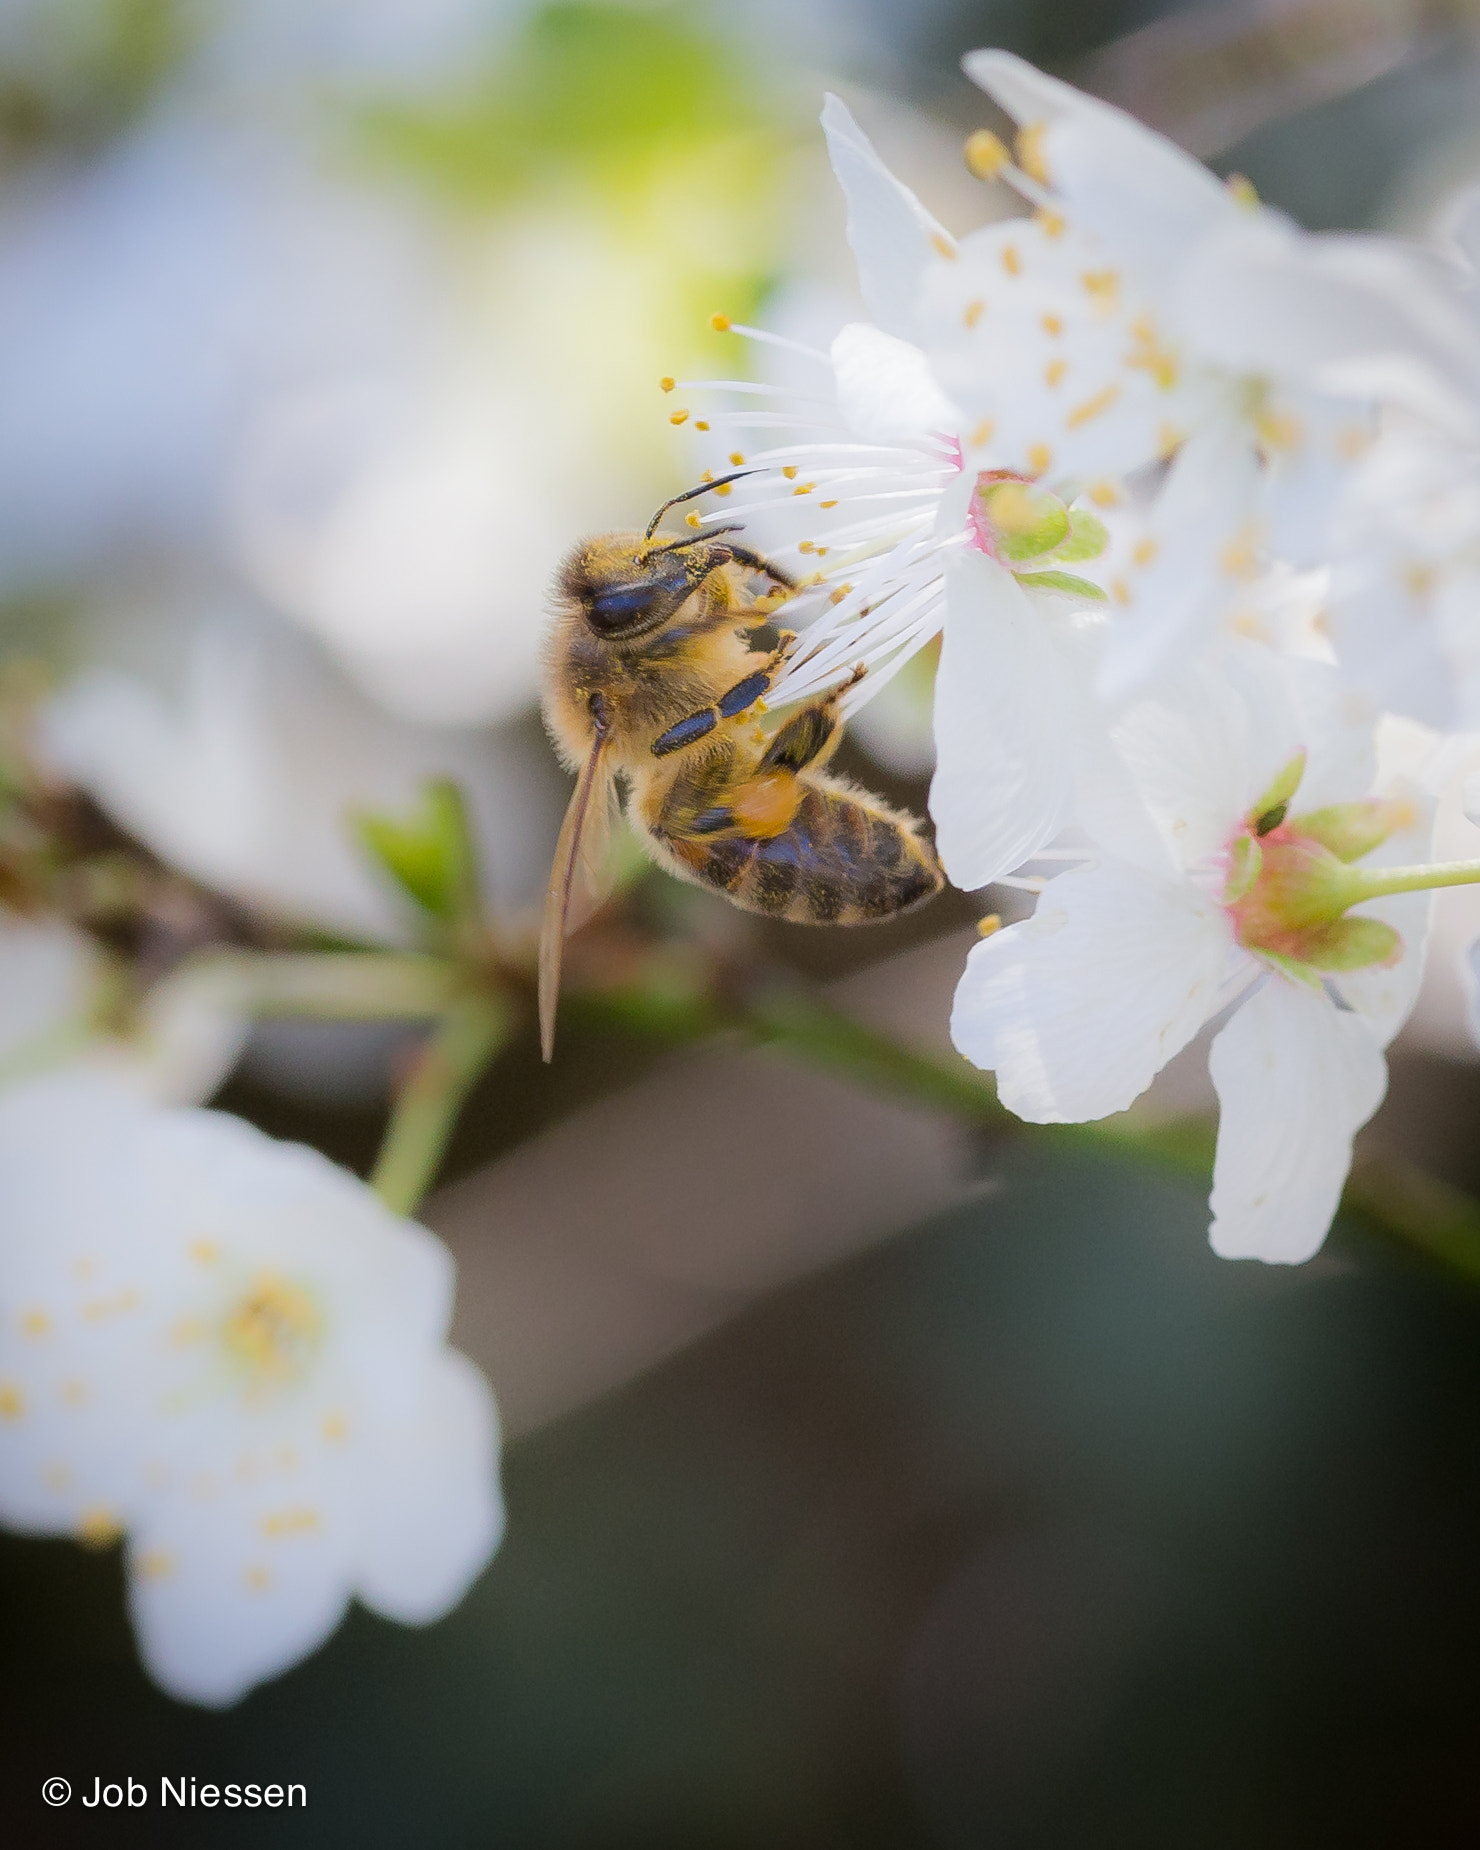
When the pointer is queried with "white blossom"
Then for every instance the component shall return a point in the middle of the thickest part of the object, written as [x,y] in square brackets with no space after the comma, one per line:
[227,1350]
[1209,833]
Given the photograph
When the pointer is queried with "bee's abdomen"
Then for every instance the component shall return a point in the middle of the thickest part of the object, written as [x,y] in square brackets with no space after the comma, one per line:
[842,860]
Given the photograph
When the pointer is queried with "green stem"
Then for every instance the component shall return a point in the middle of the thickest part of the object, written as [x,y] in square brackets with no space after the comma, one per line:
[347,985]
[1374,882]
[468,1035]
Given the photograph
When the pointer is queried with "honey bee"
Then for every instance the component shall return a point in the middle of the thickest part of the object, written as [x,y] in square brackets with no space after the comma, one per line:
[655,662]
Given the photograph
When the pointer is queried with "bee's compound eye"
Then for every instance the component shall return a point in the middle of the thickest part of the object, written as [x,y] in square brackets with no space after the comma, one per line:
[614,609]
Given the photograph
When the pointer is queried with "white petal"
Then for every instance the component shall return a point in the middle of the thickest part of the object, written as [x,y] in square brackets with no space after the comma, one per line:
[891,233]
[1264,298]
[885,390]
[433,1514]
[1198,749]
[1136,190]
[1004,709]
[1078,1008]
[218,1610]
[1296,1077]
[1182,577]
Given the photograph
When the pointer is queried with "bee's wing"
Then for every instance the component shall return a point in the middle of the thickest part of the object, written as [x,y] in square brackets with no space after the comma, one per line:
[577,886]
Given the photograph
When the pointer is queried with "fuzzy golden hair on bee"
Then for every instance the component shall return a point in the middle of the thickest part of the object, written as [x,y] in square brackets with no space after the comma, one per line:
[658,657]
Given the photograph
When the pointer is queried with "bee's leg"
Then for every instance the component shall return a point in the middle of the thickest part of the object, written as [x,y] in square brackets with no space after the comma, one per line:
[810,736]
[742,695]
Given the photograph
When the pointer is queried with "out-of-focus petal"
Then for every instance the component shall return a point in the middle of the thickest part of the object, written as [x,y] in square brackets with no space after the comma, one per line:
[1141,194]
[892,235]
[1078,1008]
[1296,1077]
[885,391]
[433,1514]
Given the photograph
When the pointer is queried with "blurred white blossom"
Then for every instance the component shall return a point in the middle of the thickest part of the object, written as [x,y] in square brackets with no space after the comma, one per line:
[249,777]
[228,1350]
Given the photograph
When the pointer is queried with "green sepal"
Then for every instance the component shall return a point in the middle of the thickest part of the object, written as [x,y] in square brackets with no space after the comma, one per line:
[1062,581]
[1027,523]
[1350,830]
[1088,537]
[1245,859]
[1352,944]
[1279,793]
[430,854]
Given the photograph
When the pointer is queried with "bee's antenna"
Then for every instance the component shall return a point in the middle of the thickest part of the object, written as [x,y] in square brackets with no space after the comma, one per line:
[689,494]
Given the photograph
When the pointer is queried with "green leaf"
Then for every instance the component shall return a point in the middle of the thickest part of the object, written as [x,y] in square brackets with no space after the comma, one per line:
[430,854]
[1062,581]
[1088,537]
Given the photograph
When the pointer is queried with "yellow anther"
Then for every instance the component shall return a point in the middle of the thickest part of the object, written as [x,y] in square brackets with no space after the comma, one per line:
[154,1564]
[804,488]
[1145,551]
[273,1332]
[692,519]
[1011,260]
[1054,372]
[736,458]
[790,471]
[1102,287]
[1240,557]
[100,1309]
[301,1521]
[985,154]
[1053,325]
[805,546]
[827,504]
[1104,493]
[1031,152]
[98,1526]
[724,488]
[943,245]
[838,595]
[258,1579]
[666,383]
[700,424]
[12,1401]
[720,323]
[990,924]
[1169,439]
[1279,430]
[1039,457]
[36,1323]
[1120,591]
[1050,224]
[982,435]
[973,312]
[1243,190]
[678,417]
[1418,580]
[335,1428]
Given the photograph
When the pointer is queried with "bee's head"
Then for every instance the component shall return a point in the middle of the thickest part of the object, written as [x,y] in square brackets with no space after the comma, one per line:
[628,587]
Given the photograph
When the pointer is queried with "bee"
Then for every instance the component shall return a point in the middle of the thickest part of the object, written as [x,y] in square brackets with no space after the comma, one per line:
[655,662]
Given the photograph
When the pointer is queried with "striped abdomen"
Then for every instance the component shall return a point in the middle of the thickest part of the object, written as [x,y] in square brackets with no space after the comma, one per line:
[842,860]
